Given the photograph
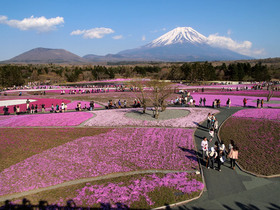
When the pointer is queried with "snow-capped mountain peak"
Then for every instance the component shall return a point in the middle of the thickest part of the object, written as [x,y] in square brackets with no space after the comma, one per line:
[179,35]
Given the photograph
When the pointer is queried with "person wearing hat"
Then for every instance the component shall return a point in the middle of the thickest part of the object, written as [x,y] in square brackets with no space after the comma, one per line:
[212,155]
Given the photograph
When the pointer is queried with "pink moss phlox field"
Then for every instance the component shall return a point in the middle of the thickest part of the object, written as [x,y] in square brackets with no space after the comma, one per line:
[256,93]
[39,101]
[73,105]
[213,86]
[235,100]
[118,193]
[270,114]
[117,118]
[53,119]
[119,150]
[111,80]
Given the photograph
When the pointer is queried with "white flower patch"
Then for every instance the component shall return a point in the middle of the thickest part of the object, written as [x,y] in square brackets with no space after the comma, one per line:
[14,102]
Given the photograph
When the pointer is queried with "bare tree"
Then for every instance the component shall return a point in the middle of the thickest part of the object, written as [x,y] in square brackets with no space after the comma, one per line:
[160,92]
[270,89]
[140,93]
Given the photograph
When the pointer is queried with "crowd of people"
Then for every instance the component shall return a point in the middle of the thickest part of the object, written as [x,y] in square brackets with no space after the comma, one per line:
[217,153]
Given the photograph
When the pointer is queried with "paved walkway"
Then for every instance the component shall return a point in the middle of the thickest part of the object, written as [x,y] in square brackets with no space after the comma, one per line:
[233,189]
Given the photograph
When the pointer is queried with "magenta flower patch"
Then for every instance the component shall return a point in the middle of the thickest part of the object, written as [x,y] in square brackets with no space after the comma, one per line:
[53,119]
[118,193]
[119,150]
[235,100]
[39,101]
[270,114]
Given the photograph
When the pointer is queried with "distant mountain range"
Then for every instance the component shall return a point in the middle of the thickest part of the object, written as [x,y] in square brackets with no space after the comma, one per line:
[178,45]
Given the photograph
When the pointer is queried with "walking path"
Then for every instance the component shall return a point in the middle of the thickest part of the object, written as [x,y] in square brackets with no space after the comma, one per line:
[232,189]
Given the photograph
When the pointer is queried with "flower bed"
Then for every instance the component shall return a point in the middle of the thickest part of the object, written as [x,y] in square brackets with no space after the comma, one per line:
[256,93]
[258,142]
[53,119]
[128,195]
[17,144]
[117,118]
[39,101]
[118,150]
[235,100]
[270,114]
[140,191]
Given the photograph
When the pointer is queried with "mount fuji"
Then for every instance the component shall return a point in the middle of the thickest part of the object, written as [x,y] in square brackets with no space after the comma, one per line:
[181,44]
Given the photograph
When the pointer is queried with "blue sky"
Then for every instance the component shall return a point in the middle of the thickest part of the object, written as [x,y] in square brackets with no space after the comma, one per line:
[83,27]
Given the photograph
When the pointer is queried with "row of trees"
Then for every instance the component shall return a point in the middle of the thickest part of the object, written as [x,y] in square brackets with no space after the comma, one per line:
[193,72]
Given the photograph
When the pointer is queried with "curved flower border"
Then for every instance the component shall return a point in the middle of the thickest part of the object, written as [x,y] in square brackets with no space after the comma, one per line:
[117,118]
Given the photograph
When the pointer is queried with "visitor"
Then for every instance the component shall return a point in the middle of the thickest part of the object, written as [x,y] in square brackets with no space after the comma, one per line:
[218,103]
[36,108]
[244,102]
[191,102]
[233,155]
[119,104]
[212,155]
[6,110]
[211,134]
[208,120]
[262,103]
[258,103]
[91,106]
[204,101]
[216,126]
[213,118]
[228,103]
[204,148]
[219,155]
[62,107]
[124,104]
[79,106]
[65,107]
[43,107]
[32,109]
[57,108]
[223,151]
[200,102]
[52,108]
[18,110]
[15,108]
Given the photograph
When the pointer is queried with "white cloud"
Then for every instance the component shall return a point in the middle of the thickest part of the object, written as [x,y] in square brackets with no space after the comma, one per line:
[41,24]
[118,37]
[244,47]
[143,38]
[94,33]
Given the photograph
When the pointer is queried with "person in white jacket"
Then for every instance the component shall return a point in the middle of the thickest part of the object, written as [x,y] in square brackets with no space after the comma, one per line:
[204,148]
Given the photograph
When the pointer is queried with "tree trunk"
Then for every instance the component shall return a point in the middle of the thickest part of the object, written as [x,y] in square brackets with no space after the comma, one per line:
[144,109]
[156,113]
[270,94]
